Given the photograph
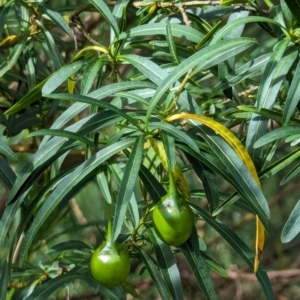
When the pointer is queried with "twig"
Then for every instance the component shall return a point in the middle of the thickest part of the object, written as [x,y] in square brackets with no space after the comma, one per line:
[278,274]
[139,4]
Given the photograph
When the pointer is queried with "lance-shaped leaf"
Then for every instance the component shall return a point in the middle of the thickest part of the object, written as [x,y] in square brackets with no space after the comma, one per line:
[156,74]
[169,145]
[57,19]
[240,247]
[103,9]
[199,268]
[45,290]
[133,205]
[160,151]
[176,133]
[292,225]
[153,186]
[155,275]
[293,97]
[276,134]
[4,280]
[294,6]
[239,22]
[205,58]
[167,265]
[69,245]
[178,30]
[64,133]
[243,72]
[127,185]
[278,66]
[65,189]
[258,203]
[226,134]
[54,56]
[61,75]
[6,150]
[91,72]
[92,101]
[14,55]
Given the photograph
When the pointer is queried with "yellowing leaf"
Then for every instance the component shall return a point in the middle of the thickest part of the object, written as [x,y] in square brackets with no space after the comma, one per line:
[239,148]
[71,84]
[159,149]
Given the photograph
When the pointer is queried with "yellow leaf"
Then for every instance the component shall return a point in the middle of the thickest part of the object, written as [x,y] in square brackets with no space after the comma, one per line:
[71,84]
[159,149]
[239,148]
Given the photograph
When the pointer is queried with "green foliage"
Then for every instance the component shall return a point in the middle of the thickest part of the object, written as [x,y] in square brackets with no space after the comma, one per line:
[146,90]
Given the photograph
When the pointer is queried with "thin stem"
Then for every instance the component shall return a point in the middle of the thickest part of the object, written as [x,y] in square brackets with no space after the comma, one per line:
[172,184]
[269,3]
[109,223]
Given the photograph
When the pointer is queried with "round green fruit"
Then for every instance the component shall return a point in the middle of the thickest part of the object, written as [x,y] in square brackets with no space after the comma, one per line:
[110,265]
[173,219]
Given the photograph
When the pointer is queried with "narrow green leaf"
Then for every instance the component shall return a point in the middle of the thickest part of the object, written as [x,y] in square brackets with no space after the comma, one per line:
[292,225]
[240,74]
[63,133]
[4,280]
[288,15]
[239,22]
[127,185]
[66,189]
[153,186]
[33,95]
[69,245]
[61,75]
[92,101]
[294,6]
[276,134]
[54,56]
[169,145]
[213,265]
[14,55]
[210,185]
[199,269]
[118,10]
[45,290]
[150,69]
[268,114]
[103,184]
[178,30]
[156,74]
[30,69]
[103,9]
[90,74]
[133,208]
[167,265]
[6,150]
[155,275]
[99,94]
[278,165]
[292,98]
[278,66]
[176,133]
[7,175]
[240,247]
[171,43]
[244,182]
[57,19]
[4,9]
[56,147]
[291,174]
[205,58]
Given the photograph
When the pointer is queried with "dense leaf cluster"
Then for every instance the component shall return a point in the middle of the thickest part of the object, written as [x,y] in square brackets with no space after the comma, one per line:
[154,88]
